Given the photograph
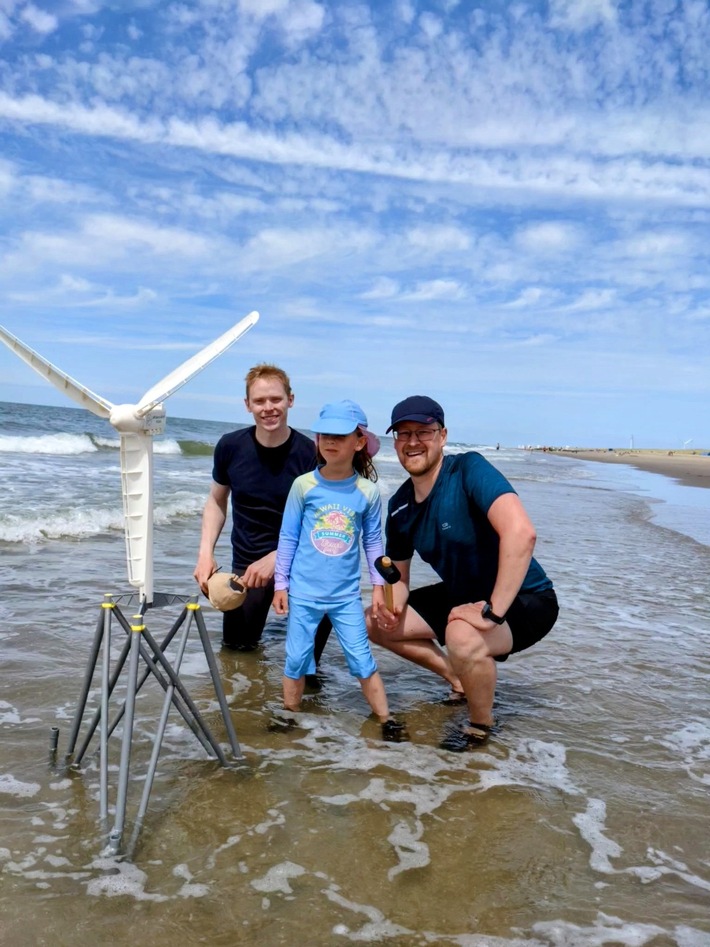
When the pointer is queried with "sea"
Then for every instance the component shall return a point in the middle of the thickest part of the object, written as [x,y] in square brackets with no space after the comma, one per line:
[584,822]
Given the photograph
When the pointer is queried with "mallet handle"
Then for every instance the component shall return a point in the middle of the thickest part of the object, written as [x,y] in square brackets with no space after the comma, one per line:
[389,591]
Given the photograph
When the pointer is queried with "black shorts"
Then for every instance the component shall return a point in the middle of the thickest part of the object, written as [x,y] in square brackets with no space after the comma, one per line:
[530,617]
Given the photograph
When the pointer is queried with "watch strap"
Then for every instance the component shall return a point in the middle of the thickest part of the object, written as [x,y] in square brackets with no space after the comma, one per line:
[488,612]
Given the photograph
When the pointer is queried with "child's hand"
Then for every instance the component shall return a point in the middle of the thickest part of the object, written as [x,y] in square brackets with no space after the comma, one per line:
[280,602]
[378,598]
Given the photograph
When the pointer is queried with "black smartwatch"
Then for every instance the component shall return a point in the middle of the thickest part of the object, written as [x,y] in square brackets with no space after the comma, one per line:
[487,612]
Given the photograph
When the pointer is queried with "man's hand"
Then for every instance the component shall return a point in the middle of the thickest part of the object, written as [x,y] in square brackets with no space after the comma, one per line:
[471,614]
[280,602]
[260,573]
[206,566]
[386,621]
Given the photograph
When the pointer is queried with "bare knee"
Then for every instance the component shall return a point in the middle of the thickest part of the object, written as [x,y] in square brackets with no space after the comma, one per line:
[464,643]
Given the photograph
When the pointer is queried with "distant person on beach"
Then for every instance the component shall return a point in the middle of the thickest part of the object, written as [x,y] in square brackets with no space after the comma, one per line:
[465,519]
[327,513]
[256,466]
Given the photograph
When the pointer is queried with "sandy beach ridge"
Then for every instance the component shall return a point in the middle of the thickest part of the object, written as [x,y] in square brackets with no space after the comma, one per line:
[691,467]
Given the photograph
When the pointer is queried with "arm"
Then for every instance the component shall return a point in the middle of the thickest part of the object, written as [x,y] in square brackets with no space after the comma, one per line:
[288,537]
[517,538]
[214,516]
[372,537]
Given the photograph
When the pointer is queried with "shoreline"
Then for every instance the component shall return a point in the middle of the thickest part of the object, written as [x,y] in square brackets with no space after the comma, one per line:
[686,467]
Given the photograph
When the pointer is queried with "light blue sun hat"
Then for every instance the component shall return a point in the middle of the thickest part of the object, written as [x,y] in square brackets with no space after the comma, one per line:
[344,417]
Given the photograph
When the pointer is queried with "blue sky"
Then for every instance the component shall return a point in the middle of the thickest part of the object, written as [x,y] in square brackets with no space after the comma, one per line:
[503,205]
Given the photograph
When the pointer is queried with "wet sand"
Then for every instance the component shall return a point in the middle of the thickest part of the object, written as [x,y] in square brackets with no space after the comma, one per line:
[692,469]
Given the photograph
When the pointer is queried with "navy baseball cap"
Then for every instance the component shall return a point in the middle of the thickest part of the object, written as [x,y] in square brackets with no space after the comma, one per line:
[417,408]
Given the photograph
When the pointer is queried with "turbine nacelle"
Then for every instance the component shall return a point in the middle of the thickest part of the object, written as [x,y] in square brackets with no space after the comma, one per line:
[128,419]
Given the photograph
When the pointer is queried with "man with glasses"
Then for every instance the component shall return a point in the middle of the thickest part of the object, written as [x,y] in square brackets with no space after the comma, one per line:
[464,518]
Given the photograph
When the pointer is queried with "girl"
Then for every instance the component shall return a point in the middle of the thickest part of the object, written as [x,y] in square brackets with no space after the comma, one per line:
[318,557]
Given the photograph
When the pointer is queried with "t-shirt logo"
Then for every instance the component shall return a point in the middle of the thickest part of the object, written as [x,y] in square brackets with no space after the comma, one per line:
[334,531]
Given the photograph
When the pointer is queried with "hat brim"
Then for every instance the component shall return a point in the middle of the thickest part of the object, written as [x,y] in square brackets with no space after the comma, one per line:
[334,426]
[422,418]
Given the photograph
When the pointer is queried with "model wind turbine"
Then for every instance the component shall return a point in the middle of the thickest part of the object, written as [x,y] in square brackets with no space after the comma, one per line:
[137,425]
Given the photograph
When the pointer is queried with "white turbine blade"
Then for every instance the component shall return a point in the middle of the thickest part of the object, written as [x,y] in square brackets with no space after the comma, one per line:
[66,384]
[177,378]
[137,489]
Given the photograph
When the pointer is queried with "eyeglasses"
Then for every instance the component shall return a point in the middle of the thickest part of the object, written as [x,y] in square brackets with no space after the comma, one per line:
[424,434]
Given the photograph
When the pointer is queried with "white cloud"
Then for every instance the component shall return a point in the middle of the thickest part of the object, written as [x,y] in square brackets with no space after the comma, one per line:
[296,18]
[581,14]
[382,288]
[437,239]
[430,25]
[530,296]
[273,248]
[39,20]
[260,9]
[436,289]
[548,237]
[658,244]
[593,299]
[101,239]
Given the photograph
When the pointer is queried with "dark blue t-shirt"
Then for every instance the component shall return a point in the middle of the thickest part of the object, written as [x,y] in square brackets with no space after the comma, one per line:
[450,529]
[260,479]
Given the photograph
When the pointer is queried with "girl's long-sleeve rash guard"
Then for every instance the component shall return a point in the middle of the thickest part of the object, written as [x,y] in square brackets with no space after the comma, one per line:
[318,556]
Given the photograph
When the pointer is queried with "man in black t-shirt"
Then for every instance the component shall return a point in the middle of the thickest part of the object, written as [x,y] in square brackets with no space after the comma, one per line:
[256,466]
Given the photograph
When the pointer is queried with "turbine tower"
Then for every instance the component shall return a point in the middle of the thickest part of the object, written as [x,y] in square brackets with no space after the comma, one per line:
[137,425]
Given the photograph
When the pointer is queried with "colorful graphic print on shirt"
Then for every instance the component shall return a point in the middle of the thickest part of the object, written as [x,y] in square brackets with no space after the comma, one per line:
[334,531]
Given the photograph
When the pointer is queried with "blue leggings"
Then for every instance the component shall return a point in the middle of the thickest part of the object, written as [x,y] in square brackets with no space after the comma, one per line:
[348,621]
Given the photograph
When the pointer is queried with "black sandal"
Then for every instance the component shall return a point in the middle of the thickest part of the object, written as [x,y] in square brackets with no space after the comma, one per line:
[477,734]
[394,731]
[459,738]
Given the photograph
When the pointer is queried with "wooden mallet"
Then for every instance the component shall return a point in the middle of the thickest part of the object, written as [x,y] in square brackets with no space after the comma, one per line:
[391,574]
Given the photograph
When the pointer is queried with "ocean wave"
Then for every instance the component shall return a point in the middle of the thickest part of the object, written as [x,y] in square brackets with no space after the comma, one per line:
[196,448]
[167,447]
[48,444]
[35,529]
[67,444]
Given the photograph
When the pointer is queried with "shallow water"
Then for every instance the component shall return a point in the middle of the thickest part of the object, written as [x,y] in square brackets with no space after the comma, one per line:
[584,822]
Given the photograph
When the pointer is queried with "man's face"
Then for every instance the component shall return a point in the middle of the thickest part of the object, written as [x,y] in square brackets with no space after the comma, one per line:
[269,404]
[419,446]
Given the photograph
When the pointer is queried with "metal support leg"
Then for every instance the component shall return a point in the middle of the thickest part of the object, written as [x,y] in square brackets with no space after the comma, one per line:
[216,681]
[90,667]
[141,644]
[117,833]
[105,678]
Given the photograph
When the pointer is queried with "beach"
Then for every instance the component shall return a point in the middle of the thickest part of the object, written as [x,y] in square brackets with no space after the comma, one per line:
[583,822]
[689,467]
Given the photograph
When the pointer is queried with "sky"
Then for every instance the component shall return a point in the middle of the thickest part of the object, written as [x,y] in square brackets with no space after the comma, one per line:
[505,206]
